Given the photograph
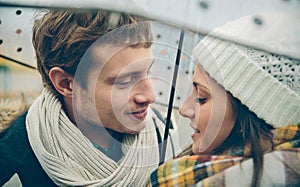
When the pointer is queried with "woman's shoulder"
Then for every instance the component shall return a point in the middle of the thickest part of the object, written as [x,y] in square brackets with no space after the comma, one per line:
[189,170]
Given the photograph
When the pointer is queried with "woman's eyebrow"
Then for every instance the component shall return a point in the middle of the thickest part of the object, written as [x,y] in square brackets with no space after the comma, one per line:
[202,87]
[198,84]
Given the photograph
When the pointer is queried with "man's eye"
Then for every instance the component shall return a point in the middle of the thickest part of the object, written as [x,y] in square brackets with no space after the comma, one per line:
[125,83]
[201,100]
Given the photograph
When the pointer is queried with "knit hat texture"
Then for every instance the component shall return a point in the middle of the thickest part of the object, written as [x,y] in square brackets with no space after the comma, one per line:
[268,84]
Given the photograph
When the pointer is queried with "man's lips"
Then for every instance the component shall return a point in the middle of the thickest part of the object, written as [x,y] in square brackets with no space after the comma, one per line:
[139,114]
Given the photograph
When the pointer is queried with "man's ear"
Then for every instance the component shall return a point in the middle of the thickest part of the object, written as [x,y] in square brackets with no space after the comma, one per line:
[62,81]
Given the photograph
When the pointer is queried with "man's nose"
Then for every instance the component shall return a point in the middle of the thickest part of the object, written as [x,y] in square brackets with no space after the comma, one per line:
[187,108]
[145,93]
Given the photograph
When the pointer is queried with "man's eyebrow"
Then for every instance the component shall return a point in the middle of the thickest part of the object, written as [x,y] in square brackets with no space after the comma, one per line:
[114,77]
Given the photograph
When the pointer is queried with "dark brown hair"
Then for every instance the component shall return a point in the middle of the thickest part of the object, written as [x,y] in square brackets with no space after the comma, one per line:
[62,36]
[249,130]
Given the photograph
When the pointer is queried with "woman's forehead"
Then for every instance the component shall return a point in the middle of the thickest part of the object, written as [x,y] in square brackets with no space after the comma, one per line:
[200,76]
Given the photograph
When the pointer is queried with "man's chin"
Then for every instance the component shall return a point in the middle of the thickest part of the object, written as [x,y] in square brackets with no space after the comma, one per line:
[133,131]
[136,129]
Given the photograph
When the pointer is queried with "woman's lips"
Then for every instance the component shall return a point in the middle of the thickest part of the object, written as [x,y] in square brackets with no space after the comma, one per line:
[195,133]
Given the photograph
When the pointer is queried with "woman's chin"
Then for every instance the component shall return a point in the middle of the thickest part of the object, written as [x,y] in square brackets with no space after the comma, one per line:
[200,150]
[195,149]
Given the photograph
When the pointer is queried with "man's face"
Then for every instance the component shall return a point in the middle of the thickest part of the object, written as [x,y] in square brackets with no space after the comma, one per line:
[122,91]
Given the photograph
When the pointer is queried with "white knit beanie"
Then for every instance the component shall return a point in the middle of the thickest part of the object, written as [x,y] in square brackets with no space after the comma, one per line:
[268,84]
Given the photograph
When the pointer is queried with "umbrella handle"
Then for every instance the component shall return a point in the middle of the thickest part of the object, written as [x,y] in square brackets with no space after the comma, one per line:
[170,106]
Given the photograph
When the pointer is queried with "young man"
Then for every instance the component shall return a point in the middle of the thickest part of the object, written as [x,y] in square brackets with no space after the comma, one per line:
[91,125]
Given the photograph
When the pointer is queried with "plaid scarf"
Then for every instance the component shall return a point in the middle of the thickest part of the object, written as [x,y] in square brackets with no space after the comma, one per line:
[281,166]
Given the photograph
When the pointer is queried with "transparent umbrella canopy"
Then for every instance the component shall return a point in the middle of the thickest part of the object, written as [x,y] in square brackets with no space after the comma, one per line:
[177,27]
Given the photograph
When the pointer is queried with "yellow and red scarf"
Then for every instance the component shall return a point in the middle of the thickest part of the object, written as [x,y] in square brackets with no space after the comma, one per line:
[281,166]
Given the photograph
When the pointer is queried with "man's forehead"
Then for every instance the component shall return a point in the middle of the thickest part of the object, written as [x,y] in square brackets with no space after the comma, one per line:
[134,68]
[104,52]
[115,62]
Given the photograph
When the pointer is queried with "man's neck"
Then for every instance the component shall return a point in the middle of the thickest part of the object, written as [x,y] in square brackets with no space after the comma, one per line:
[108,142]
[99,135]
[96,133]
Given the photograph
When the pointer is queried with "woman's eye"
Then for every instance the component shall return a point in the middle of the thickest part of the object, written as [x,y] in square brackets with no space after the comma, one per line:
[201,100]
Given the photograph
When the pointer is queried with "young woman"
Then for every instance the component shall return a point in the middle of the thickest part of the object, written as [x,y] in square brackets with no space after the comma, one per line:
[245,112]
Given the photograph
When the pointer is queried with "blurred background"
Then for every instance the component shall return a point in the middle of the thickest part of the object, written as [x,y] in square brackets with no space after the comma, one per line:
[276,22]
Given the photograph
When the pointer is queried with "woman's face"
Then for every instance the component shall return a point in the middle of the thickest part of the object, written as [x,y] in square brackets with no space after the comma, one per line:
[209,108]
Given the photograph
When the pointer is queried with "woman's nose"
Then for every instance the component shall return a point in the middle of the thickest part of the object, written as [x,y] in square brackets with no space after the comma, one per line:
[187,108]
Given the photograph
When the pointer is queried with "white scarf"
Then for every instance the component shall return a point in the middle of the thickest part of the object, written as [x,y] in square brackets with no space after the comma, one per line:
[70,159]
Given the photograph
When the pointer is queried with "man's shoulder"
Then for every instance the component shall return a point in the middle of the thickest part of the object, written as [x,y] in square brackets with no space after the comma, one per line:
[16,129]
[14,141]
[10,111]
[13,146]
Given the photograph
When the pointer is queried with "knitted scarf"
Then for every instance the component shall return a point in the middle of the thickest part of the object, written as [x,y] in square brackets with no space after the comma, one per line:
[281,166]
[70,159]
